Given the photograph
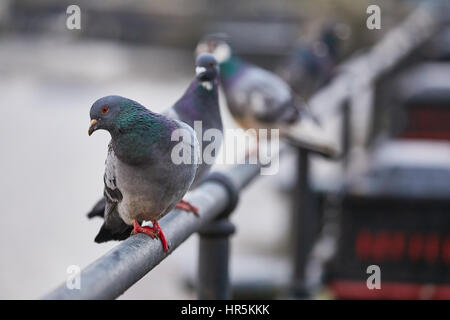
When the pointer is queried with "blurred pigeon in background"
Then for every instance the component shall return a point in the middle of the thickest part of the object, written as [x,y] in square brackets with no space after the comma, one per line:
[260,99]
[311,64]
[142,182]
[200,102]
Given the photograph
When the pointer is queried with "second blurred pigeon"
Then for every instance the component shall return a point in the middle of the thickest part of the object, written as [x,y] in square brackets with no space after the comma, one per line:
[200,103]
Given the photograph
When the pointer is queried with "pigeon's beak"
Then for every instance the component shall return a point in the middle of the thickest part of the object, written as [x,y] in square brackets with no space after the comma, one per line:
[92,126]
[199,70]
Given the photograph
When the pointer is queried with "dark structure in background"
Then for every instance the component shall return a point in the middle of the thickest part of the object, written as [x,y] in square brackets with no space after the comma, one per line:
[396,214]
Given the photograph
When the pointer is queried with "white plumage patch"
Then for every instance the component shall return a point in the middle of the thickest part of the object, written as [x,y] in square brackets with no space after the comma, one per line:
[199,70]
[207,85]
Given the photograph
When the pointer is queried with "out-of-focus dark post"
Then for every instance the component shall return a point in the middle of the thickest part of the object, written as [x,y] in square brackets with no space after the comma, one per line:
[303,224]
[213,277]
[305,217]
[346,131]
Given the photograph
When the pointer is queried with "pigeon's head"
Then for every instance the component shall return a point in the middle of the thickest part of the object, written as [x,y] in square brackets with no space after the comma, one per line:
[215,44]
[206,67]
[104,113]
[332,36]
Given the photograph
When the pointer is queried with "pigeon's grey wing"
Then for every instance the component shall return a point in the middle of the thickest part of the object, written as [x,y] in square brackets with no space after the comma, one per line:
[114,228]
[111,191]
[263,96]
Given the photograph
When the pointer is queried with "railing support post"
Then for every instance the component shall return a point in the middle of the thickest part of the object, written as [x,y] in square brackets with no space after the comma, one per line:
[304,225]
[213,270]
[213,277]
[346,132]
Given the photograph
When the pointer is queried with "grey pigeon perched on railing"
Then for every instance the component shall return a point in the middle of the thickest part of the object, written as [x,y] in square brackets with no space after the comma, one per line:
[142,180]
[200,102]
[259,99]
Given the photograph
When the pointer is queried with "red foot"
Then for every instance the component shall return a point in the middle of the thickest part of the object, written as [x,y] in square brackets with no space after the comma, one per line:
[162,237]
[186,206]
[153,232]
[146,229]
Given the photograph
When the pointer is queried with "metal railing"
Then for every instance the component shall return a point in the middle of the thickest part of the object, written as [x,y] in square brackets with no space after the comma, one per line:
[115,272]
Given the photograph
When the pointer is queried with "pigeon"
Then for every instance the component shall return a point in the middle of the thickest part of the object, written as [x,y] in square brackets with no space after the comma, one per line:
[311,65]
[200,102]
[142,182]
[259,99]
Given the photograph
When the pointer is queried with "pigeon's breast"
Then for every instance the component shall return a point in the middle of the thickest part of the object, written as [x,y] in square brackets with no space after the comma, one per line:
[141,191]
[152,190]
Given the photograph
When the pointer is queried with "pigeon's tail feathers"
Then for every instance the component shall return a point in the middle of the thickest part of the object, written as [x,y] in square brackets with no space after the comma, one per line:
[308,134]
[98,210]
[106,234]
[113,228]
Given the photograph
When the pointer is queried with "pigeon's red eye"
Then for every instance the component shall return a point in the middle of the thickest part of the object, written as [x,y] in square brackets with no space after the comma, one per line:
[105,109]
[212,64]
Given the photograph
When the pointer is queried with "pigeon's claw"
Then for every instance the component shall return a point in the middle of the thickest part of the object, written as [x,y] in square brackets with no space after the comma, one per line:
[186,206]
[146,229]
[154,232]
[161,235]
